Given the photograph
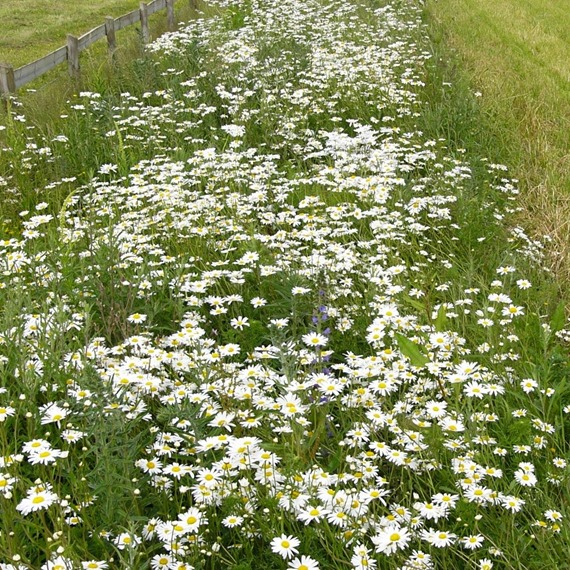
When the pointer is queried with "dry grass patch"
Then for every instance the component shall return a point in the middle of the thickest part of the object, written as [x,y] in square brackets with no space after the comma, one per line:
[517,53]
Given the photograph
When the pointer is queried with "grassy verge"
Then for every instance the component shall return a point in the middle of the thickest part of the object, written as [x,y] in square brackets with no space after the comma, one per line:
[45,104]
[266,307]
[33,28]
[517,55]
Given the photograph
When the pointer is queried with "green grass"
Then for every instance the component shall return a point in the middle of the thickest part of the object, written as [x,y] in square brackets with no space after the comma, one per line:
[516,53]
[375,225]
[45,103]
[33,28]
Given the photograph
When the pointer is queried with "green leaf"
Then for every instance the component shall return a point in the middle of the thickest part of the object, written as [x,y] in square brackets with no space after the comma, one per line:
[411,350]
[441,319]
[334,461]
[415,304]
[558,318]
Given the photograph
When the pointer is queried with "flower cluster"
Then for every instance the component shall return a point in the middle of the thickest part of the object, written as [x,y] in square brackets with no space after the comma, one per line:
[261,339]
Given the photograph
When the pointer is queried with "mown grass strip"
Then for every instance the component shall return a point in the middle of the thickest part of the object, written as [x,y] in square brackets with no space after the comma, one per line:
[518,55]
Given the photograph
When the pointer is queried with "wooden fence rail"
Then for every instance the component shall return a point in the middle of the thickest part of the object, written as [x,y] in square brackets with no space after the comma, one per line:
[12,79]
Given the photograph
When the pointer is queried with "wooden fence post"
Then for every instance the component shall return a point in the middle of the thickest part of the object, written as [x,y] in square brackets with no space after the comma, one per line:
[144,23]
[73,55]
[72,50]
[7,80]
[110,33]
[170,14]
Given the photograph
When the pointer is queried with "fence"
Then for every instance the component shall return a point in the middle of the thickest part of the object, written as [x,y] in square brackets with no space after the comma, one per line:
[12,79]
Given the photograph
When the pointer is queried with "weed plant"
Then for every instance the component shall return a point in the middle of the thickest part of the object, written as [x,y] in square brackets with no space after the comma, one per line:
[262,311]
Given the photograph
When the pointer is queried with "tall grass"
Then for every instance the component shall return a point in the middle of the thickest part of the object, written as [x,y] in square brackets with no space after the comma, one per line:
[516,54]
[42,112]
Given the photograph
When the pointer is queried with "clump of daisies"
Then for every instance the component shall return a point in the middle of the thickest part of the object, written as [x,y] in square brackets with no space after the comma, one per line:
[255,345]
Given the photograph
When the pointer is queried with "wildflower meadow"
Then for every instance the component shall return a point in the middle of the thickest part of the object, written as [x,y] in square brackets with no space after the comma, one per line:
[255,315]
